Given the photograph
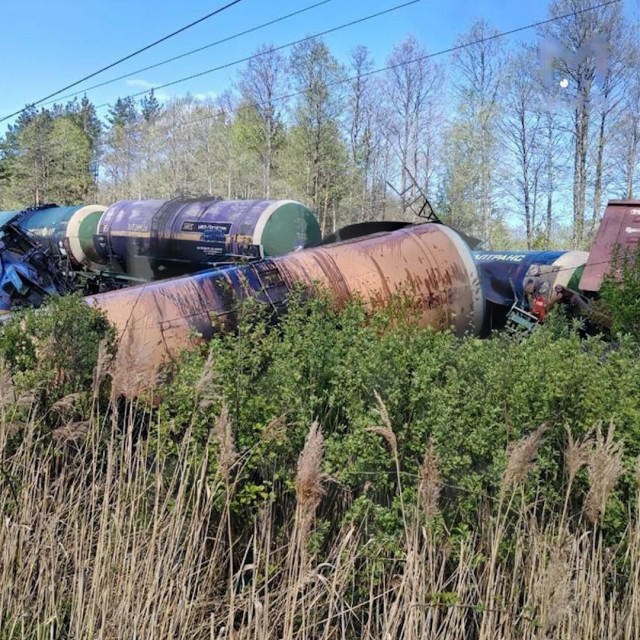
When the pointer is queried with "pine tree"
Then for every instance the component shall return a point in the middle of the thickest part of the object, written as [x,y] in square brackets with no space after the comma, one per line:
[122,147]
[150,108]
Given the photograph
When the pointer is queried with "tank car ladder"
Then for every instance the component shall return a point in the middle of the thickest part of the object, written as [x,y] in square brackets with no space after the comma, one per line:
[273,289]
[521,321]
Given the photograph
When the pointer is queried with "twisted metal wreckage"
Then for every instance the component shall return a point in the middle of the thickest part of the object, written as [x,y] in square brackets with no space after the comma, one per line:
[164,271]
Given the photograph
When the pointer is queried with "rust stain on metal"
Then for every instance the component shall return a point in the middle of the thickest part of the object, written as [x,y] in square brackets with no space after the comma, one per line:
[428,262]
[423,259]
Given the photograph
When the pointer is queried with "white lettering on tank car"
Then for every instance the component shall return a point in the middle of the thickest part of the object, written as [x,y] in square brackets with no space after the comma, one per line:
[500,258]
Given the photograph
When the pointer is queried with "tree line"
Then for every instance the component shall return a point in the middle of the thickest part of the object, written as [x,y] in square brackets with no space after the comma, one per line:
[542,133]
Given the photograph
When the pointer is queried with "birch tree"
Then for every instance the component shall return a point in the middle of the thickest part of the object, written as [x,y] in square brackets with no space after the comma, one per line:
[363,128]
[263,84]
[522,130]
[316,144]
[628,138]
[577,55]
[478,83]
[412,89]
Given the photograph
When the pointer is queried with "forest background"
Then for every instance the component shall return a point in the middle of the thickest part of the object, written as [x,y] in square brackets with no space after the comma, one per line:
[518,143]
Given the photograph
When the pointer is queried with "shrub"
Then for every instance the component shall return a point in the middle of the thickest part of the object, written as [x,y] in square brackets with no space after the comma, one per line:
[342,473]
[470,397]
[52,352]
[620,293]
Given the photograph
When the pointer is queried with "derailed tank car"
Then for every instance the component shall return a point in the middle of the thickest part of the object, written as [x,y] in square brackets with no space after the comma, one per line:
[521,279]
[196,240]
[159,239]
[66,231]
[429,262]
[96,248]
[28,271]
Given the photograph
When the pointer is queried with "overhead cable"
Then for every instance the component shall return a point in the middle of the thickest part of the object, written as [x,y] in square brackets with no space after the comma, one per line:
[404,63]
[189,53]
[127,57]
[270,50]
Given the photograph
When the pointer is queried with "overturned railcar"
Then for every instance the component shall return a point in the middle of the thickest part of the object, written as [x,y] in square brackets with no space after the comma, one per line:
[512,278]
[429,262]
[199,257]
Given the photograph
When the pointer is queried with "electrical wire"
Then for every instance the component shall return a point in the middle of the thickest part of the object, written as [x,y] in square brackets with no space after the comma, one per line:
[380,69]
[127,57]
[271,50]
[189,53]
[337,82]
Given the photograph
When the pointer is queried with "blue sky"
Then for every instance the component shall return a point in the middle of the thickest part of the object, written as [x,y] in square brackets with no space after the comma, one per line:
[48,44]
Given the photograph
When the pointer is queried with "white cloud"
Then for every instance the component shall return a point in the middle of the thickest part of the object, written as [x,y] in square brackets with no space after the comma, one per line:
[145,85]
[207,95]
[141,84]
[138,83]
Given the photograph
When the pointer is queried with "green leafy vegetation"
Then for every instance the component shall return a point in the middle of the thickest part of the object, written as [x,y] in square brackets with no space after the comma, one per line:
[55,353]
[50,155]
[471,398]
[342,474]
[620,294]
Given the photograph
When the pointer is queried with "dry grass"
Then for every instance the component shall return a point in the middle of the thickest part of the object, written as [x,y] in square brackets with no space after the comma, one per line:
[520,458]
[430,482]
[604,463]
[101,539]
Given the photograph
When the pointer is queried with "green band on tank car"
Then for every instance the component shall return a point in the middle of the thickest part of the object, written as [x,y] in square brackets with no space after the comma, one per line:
[575,279]
[87,229]
[50,222]
[291,226]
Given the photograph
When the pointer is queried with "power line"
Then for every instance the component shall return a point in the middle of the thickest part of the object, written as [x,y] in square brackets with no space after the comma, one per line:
[127,57]
[262,53]
[189,53]
[391,66]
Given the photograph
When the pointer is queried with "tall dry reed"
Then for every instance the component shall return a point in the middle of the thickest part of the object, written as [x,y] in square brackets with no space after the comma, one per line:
[100,537]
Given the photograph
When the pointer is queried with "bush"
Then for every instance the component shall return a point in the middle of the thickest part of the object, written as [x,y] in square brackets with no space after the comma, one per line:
[471,397]
[620,293]
[52,352]
[342,469]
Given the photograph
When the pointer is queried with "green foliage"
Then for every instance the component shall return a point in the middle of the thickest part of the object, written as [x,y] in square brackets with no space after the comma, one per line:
[472,397]
[620,294]
[52,352]
[50,156]
[247,400]
[316,146]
